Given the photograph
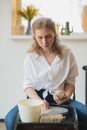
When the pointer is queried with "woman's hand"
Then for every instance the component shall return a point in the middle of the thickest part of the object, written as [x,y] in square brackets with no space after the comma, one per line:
[45,104]
[60,101]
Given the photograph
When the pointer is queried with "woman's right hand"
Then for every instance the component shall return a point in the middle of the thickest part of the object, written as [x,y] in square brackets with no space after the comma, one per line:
[45,104]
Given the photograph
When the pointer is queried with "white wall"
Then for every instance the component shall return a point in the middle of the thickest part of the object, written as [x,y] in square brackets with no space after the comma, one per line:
[12,53]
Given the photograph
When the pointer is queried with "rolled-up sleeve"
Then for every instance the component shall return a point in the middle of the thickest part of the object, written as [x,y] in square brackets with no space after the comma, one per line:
[73,70]
[27,73]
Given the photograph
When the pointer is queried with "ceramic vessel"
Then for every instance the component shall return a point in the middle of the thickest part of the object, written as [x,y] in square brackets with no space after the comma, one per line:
[28,31]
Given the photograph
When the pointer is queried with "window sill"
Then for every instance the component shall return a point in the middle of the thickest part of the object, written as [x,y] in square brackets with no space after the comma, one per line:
[20,37]
[73,36]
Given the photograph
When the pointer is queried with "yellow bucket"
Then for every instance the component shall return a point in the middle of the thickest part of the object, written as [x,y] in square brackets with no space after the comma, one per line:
[29,110]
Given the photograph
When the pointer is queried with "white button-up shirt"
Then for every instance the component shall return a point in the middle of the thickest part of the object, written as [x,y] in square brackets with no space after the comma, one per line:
[40,75]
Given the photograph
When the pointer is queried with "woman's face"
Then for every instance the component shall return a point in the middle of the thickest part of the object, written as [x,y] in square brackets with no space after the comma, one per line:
[45,38]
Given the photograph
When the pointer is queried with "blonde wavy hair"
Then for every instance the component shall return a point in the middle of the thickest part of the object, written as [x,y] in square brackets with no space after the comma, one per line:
[40,23]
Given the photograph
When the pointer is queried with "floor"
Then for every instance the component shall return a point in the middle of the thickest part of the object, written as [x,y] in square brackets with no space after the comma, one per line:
[2,126]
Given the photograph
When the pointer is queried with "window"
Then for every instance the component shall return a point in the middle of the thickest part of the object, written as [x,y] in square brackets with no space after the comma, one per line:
[59,10]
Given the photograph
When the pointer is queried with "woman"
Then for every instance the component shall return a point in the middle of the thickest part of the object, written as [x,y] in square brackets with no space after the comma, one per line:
[49,67]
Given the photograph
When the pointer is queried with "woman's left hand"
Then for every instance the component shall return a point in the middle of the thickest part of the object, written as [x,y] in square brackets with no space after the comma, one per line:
[60,101]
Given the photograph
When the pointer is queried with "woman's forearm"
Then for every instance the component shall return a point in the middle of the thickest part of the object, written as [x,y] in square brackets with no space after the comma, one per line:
[31,93]
[69,89]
